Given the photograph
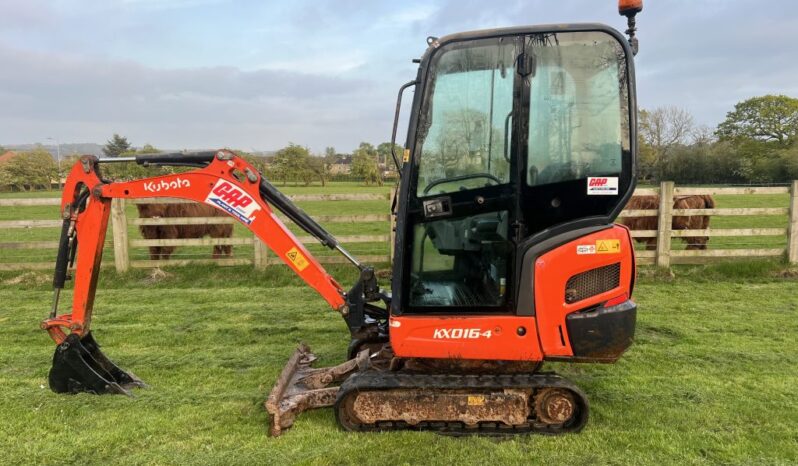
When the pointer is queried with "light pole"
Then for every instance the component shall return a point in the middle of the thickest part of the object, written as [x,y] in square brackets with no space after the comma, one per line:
[57,158]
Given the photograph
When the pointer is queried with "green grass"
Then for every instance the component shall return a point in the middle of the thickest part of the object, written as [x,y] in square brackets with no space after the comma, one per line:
[710,380]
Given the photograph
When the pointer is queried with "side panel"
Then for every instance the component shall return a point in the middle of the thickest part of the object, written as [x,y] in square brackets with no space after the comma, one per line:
[499,337]
[553,270]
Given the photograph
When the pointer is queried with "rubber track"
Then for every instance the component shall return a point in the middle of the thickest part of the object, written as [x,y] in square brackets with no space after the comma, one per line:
[376,380]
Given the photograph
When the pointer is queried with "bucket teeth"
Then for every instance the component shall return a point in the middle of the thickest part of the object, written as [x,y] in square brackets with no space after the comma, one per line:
[301,387]
[80,366]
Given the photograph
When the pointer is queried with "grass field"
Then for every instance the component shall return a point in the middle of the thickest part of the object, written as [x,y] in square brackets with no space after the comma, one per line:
[711,377]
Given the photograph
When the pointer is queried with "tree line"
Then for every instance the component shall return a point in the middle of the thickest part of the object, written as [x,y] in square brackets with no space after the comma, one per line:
[755,143]
[30,170]
[291,164]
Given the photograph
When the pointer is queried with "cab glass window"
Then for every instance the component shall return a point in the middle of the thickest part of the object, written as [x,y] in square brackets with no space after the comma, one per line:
[468,120]
[578,109]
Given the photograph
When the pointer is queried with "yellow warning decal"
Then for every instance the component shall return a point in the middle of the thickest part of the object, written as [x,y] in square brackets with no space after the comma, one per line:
[406,157]
[477,400]
[608,246]
[297,258]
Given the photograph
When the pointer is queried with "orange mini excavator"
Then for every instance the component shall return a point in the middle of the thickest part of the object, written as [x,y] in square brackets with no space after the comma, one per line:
[520,154]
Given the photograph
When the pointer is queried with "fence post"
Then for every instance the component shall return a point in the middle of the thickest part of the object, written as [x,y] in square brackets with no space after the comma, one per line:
[792,232]
[664,222]
[119,227]
[261,259]
[392,234]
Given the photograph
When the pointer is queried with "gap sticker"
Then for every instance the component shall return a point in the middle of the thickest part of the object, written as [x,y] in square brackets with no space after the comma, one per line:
[582,249]
[233,200]
[602,186]
[297,258]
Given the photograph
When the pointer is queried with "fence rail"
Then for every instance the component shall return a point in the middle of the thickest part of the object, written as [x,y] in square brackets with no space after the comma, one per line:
[122,244]
[663,254]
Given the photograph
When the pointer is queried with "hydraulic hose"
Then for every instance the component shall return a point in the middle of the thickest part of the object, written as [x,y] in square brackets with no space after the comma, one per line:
[274,197]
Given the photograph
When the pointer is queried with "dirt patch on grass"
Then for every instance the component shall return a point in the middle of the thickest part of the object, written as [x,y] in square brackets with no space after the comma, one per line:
[156,275]
[28,278]
[789,272]
[656,272]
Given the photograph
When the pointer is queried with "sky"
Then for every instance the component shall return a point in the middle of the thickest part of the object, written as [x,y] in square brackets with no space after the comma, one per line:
[257,75]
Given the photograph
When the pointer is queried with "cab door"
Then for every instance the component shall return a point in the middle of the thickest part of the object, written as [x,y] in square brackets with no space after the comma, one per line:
[461,207]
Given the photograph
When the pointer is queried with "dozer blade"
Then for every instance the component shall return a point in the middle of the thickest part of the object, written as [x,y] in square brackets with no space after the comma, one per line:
[301,387]
[80,366]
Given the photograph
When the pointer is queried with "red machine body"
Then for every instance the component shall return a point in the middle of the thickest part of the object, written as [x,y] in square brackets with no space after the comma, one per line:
[525,338]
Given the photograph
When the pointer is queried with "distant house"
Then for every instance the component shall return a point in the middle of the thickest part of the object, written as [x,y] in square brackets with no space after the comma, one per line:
[268,160]
[342,165]
[388,170]
[5,157]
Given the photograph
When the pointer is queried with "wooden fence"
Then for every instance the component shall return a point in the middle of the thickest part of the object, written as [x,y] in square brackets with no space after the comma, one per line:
[663,256]
[119,240]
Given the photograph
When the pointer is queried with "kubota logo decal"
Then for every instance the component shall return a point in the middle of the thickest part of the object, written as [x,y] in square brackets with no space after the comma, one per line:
[233,200]
[602,185]
[460,333]
[164,185]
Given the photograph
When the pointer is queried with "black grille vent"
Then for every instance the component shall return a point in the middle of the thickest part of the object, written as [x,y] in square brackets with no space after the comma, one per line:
[592,282]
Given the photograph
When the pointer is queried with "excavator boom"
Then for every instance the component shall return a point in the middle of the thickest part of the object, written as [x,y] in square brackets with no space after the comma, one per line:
[223,180]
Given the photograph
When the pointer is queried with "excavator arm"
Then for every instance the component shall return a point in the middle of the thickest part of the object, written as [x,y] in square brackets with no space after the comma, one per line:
[221,179]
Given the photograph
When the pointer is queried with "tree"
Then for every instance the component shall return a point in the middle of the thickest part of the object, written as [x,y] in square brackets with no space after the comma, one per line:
[790,159]
[292,163]
[364,164]
[256,161]
[319,167]
[29,170]
[148,149]
[466,142]
[386,157]
[770,118]
[116,146]
[661,130]
[330,157]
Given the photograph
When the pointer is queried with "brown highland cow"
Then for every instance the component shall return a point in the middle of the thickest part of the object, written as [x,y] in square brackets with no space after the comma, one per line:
[682,222]
[183,231]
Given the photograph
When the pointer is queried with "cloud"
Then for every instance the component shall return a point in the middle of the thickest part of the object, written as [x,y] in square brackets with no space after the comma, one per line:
[185,107]
[155,5]
[199,73]
[26,14]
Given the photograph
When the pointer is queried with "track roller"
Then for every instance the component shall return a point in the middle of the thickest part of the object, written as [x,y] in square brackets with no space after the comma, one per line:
[461,404]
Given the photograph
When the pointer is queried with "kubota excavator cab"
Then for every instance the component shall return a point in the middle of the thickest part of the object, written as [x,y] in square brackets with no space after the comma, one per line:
[521,141]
